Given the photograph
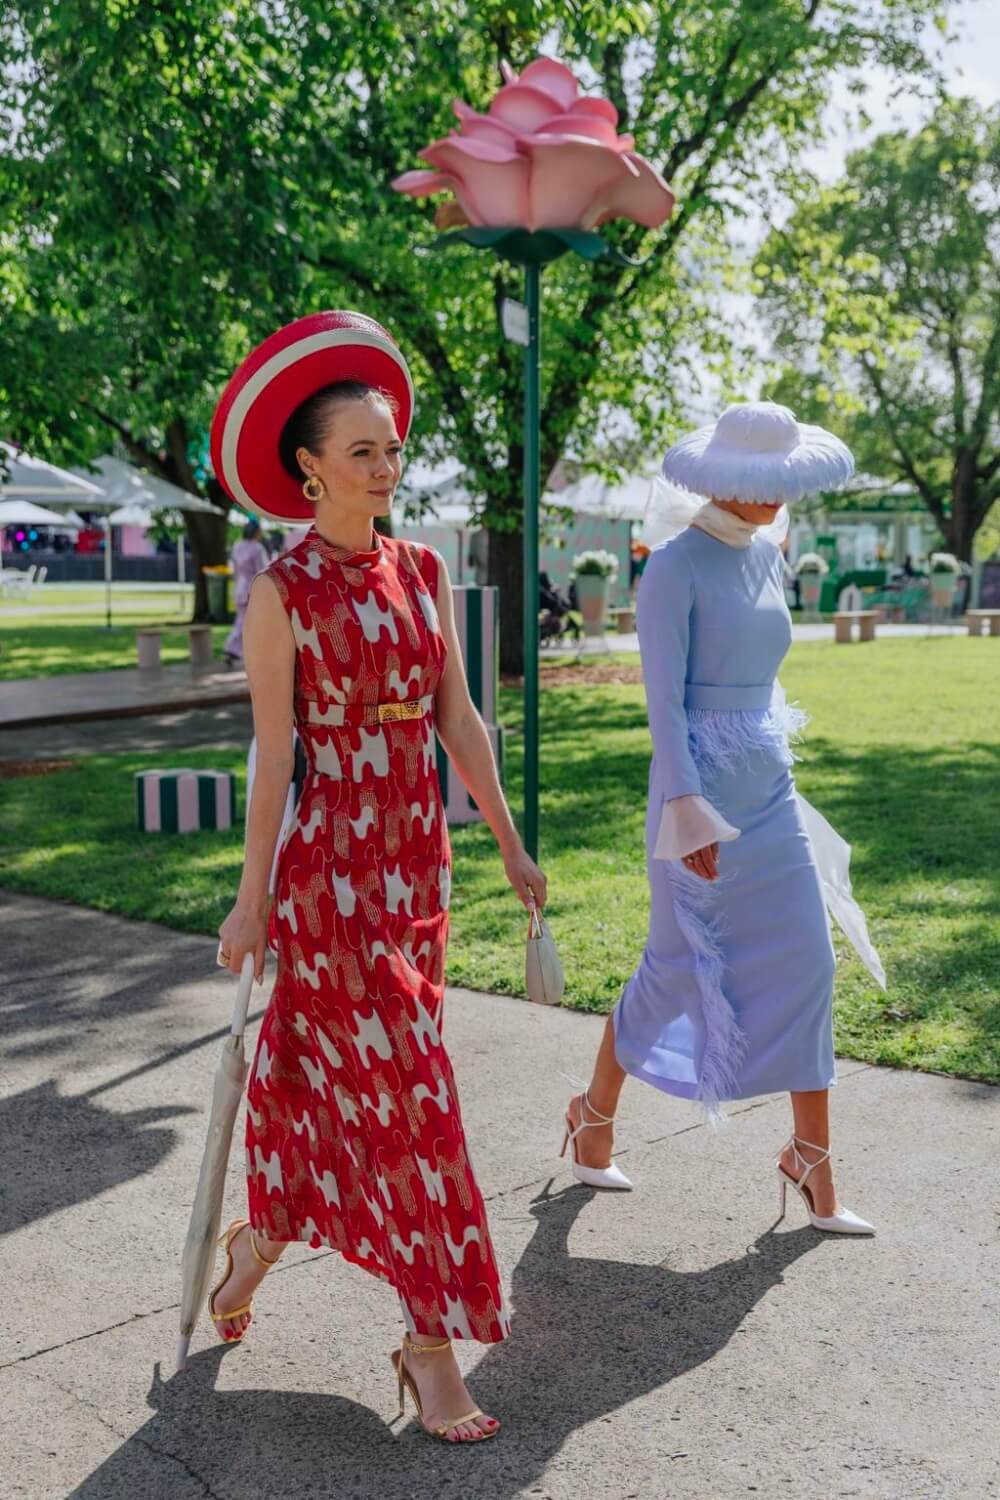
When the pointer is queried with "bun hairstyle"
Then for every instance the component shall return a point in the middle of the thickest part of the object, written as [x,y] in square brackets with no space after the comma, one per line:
[309,425]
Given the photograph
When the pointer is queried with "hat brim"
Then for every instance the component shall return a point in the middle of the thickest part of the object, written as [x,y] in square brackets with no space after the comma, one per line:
[282,372]
[818,462]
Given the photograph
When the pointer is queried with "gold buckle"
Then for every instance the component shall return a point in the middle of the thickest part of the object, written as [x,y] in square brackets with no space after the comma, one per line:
[395,711]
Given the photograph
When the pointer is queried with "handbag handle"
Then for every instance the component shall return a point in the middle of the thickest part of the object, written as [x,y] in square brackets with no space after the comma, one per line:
[534,923]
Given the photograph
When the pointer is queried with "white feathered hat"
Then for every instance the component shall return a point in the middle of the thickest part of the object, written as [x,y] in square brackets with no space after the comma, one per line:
[758,453]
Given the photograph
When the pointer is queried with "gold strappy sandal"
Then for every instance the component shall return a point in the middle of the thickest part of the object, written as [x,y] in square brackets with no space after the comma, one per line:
[226,1242]
[407,1383]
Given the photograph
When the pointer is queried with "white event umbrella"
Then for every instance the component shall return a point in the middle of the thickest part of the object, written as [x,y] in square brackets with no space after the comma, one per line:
[33,479]
[136,496]
[27,513]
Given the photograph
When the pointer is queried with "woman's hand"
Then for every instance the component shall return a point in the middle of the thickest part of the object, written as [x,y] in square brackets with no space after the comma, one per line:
[244,931]
[704,862]
[525,877]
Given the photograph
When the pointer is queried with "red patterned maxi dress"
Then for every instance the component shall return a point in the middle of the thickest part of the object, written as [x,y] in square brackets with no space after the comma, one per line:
[354,1134]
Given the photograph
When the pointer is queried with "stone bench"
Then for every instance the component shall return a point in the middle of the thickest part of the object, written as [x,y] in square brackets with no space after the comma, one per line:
[976,619]
[624,621]
[147,649]
[200,645]
[843,625]
[147,646]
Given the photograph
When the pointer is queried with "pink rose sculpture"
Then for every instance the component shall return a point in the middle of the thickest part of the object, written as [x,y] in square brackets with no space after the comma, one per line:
[544,157]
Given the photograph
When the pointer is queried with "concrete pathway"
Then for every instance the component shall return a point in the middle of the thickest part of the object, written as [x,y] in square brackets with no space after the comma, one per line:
[669,1343]
[79,696]
[823,631]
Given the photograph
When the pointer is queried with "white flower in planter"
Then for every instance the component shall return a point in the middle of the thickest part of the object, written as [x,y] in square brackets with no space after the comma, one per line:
[811,562]
[945,562]
[596,564]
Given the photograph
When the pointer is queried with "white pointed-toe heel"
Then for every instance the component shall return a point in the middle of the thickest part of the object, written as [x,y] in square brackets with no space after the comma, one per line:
[843,1223]
[598,1177]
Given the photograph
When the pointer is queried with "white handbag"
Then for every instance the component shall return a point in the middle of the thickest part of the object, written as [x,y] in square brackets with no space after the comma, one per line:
[543,974]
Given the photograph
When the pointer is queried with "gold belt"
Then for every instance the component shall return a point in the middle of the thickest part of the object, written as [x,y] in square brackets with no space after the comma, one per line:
[412,710]
[321,711]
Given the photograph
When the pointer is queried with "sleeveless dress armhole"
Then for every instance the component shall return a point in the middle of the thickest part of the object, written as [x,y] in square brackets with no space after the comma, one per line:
[429,564]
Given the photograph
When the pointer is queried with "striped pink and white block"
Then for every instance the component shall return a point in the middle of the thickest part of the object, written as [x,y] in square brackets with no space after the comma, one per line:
[184,801]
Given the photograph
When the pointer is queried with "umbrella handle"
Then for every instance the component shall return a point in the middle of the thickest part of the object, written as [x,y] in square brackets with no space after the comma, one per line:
[242,1004]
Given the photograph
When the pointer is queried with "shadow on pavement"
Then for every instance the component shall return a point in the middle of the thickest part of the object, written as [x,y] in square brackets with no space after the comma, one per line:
[62,1149]
[590,1336]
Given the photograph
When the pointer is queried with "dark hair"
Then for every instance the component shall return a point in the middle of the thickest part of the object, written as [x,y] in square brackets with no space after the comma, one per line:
[250,530]
[309,424]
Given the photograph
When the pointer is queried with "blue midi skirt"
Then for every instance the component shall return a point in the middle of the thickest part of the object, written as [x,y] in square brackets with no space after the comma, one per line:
[733,996]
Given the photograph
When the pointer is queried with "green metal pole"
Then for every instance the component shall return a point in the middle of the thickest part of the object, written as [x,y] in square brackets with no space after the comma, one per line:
[532,384]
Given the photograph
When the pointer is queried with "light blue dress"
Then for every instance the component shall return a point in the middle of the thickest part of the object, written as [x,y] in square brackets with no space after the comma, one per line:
[733,994]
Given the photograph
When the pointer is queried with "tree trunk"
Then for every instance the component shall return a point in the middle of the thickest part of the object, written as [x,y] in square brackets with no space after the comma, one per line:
[506,571]
[208,549]
[964,521]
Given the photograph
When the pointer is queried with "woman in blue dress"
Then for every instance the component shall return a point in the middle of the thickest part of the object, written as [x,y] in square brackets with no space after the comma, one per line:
[733,995]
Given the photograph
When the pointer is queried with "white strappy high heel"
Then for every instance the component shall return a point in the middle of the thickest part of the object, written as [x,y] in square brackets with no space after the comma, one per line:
[843,1223]
[598,1177]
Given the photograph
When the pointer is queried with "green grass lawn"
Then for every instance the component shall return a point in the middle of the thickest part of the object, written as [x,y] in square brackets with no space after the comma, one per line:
[55,644]
[903,756]
[62,629]
[90,597]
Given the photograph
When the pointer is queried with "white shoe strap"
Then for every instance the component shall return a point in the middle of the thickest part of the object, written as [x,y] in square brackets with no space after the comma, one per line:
[800,1161]
[588,1124]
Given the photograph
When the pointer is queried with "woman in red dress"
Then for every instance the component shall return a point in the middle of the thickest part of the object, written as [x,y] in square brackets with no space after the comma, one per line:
[354,1133]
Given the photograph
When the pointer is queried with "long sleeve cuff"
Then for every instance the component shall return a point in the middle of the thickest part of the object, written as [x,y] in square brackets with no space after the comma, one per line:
[690,823]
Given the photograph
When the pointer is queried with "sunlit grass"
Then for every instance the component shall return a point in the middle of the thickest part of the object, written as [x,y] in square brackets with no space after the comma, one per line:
[902,755]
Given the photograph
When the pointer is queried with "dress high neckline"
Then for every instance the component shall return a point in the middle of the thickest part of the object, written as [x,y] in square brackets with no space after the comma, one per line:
[338,554]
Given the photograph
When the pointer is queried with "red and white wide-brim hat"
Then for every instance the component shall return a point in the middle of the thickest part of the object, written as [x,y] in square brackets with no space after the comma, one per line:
[282,372]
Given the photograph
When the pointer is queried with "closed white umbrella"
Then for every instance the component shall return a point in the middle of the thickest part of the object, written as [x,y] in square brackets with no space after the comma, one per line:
[137,495]
[206,1214]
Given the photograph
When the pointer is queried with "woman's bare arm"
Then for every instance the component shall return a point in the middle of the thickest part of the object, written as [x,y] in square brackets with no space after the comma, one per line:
[269,653]
[463,734]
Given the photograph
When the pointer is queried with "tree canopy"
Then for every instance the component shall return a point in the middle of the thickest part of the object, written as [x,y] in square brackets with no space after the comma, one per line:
[179,180]
[884,296]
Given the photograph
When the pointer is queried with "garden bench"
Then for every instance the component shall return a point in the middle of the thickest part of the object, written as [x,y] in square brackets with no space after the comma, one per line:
[147,643]
[147,649]
[200,645]
[843,625]
[975,619]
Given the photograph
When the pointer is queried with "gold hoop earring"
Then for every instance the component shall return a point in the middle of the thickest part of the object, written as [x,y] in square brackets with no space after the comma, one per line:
[313,488]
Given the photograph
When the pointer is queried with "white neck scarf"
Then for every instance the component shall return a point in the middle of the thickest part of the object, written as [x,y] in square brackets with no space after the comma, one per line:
[725,525]
[670,510]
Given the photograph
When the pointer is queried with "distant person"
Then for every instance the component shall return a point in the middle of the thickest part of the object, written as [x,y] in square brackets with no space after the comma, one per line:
[249,558]
[479,556]
[791,578]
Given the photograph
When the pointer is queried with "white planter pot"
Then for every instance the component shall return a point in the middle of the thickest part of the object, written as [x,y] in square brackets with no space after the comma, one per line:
[811,586]
[944,587]
[592,596]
